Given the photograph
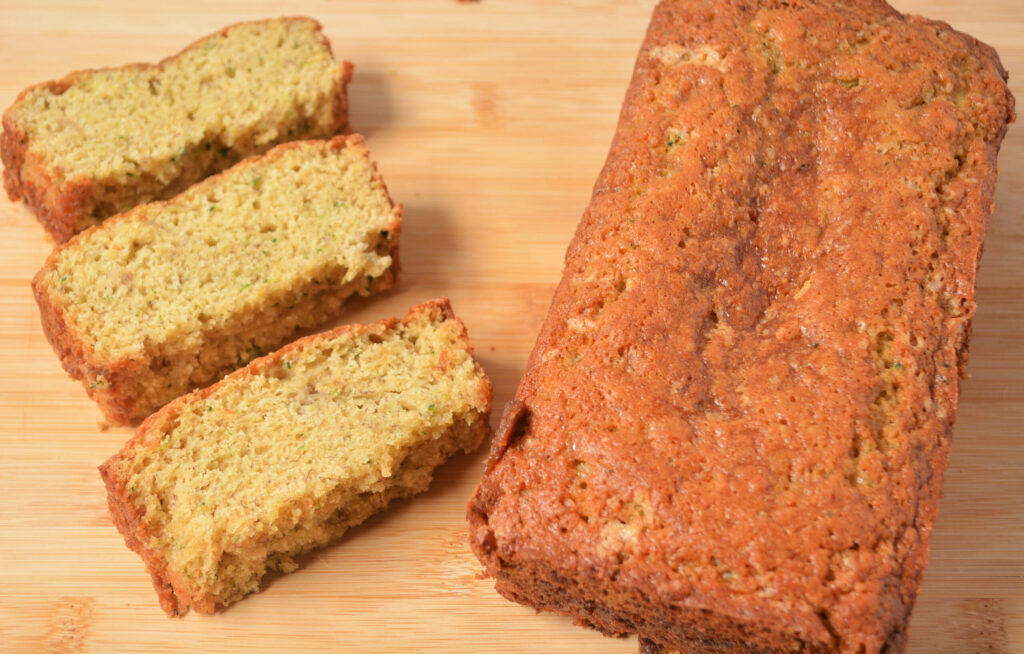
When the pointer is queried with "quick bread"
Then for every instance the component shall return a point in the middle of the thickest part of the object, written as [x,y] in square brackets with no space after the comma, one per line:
[172,295]
[230,482]
[732,431]
[99,142]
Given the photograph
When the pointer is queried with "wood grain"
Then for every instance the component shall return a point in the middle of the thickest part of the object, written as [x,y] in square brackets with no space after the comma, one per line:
[490,121]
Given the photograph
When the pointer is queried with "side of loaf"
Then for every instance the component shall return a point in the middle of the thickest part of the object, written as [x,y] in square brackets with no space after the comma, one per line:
[732,431]
[172,295]
[99,142]
[227,483]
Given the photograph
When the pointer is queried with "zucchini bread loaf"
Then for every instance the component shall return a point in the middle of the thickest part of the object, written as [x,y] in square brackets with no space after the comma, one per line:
[732,431]
[172,295]
[99,142]
[283,456]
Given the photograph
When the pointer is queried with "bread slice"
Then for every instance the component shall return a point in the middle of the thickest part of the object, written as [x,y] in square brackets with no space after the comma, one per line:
[172,295]
[99,142]
[230,482]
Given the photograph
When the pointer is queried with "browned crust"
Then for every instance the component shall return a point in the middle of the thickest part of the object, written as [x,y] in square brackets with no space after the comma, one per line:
[345,68]
[175,598]
[693,630]
[71,345]
[58,208]
[558,418]
[514,421]
[341,125]
[175,593]
[63,206]
[395,228]
[117,398]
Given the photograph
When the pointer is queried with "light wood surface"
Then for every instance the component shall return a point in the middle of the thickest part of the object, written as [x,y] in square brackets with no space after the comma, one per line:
[490,121]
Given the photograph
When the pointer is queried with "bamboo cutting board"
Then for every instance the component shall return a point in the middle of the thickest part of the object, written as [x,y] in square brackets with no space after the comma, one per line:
[490,121]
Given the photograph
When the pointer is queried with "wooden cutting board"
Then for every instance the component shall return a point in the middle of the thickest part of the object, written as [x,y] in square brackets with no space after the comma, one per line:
[490,121]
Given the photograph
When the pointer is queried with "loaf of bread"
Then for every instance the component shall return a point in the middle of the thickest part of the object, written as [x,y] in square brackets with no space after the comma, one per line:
[172,295]
[232,481]
[99,142]
[732,431]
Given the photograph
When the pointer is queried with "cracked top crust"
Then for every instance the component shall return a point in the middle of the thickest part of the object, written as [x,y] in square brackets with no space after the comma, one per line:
[742,399]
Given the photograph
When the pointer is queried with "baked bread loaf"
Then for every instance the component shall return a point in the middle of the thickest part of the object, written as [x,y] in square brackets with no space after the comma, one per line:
[232,481]
[732,431]
[172,295]
[99,142]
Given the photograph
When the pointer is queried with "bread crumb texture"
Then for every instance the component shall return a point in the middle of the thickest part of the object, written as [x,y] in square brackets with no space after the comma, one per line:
[99,142]
[170,296]
[732,431]
[285,455]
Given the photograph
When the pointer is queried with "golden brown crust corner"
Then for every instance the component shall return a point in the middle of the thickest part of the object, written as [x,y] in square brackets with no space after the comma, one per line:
[443,307]
[481,539]
[175,593]
[345,68]
[70,346]
[117,405]
[357,141]
[13,145]
[513,421]
[127,517]
[341,123]
[26,178]
[114,399]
